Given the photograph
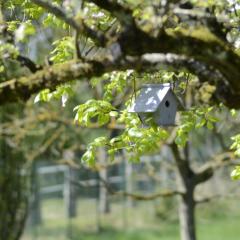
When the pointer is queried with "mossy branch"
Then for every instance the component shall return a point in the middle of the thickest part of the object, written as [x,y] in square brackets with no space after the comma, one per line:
[51,76]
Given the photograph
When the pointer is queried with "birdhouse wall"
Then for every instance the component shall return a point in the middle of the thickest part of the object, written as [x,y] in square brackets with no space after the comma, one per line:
[145,116]
[166,112]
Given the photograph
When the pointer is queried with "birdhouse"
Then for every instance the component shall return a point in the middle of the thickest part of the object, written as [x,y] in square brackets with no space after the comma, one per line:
[157,102]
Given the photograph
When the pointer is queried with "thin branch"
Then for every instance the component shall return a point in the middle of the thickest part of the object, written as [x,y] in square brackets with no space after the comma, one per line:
[78,54]
[182,164]
[27,62]
[9,38]
[218,161]
[208,199]
[44,147]
[57,11]
[148,197]
[96,35]
[232,194]
[136,196]
[122,13]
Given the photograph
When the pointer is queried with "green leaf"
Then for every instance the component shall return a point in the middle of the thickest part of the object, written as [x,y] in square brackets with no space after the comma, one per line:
[100,141]
[103,119]
[113,114]
[88,112]
[209,125]
[233,112]
[43,96]
[24,30]
[89,157]
[201,123]
[63,51]
[235,175]
[181,140]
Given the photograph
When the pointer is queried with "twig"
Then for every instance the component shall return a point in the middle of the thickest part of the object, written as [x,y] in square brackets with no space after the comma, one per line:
[122,13]
[97,36]
[24,61]
[136,196]
[44,147]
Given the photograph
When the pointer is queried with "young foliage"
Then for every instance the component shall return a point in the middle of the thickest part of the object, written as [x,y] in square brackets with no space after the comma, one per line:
[193,119]
[98,111]
[236,173]
[62,91]
[64,50]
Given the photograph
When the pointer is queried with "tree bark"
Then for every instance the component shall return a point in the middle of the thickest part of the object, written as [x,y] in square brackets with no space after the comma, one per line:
[187,181]
[187,216]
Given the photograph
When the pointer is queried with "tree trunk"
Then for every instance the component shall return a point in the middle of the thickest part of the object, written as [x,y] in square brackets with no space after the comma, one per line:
[187,216]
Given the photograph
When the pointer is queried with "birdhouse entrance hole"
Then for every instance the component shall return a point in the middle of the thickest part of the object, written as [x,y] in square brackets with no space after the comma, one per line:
[167,103]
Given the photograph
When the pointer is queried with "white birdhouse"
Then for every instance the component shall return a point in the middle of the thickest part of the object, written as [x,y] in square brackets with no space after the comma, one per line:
[157,102]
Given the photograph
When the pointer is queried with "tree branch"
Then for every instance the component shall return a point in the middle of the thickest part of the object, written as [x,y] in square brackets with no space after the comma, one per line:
[31,156]
[136,196]
[123,14]
[198,51]
[215,25]
[207,170]
[51,76]
[231,194]
[96,35]
[208,199]
[27,62]
[200,45]
[182,164]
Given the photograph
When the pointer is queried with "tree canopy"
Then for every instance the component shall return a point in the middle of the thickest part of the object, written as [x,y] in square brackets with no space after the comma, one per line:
[119,45]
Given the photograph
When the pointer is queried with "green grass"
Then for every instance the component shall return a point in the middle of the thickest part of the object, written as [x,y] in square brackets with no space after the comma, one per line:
[218,221]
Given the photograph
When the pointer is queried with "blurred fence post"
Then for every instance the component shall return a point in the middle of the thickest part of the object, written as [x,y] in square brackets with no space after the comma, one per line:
[104,205]
[70,192]
[98,213]
[128,180]
[35,216]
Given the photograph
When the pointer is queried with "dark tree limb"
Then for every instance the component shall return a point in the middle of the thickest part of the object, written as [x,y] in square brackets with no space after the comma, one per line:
[51,76]
[136,196]
[199,51]
[232,194]
[202,52]
[27,62]
[122,13]
[207,170]
[181,163]
[215,25]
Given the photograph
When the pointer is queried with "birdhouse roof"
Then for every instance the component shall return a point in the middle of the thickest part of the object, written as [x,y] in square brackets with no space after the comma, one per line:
[151,96]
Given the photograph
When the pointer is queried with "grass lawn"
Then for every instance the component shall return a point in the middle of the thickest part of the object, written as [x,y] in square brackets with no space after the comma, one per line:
[214,222]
